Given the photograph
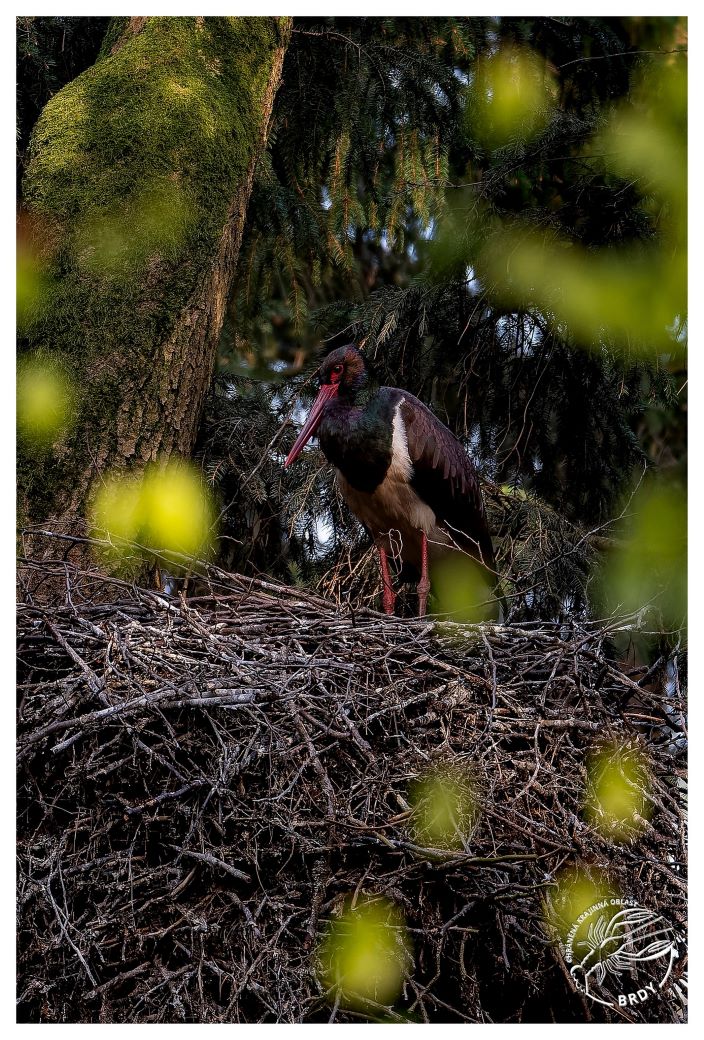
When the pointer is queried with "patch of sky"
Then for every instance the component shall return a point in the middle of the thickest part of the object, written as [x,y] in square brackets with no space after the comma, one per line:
[474,440]
[519,332]
[324,531]
[473,284]
[678,329]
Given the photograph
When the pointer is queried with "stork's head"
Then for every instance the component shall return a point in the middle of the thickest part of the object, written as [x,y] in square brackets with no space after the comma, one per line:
[342,373]
[345,369]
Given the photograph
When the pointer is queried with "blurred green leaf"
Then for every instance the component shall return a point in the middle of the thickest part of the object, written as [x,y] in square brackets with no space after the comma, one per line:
[177,510]
[578,888]
[511,97]
[650,568]
[459,234]
[617,785]
[31,285]
[366,953]
[121,241]
[633,295]
[45,399]
[646,139]
[445,808]
[461,590]
[32,281]
[167,510]
[117,509]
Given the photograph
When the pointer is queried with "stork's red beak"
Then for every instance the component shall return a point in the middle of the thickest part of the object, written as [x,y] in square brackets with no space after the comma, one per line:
[326,391]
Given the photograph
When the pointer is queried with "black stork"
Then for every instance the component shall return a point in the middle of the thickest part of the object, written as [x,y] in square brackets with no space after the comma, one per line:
[400,470]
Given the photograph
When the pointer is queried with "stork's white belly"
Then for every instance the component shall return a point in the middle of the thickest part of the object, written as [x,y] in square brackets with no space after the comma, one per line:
[393,512]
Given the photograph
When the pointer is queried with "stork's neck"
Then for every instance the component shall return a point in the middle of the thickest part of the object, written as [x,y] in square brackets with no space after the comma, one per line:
[360,391]
[357,438]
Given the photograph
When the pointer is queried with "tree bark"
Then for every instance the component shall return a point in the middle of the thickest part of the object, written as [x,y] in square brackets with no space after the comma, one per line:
[137,189]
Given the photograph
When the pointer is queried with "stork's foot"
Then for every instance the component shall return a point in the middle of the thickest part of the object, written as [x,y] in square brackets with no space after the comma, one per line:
[389,596]
[423,590]
[424,583]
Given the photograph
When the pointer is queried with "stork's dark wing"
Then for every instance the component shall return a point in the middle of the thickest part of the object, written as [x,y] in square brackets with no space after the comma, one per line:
[446,478]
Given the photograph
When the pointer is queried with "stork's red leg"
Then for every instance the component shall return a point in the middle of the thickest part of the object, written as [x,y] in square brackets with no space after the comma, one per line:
[424,583]
[388,596]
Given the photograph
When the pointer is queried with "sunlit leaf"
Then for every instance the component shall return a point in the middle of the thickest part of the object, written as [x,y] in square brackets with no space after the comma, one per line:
[577,890]
[445,808]
[511,97]
[649,568]
[117,510]
[633,296]
[616,803]
[366,954]
[167,510]
[177,510]
[45,400]
[461,590]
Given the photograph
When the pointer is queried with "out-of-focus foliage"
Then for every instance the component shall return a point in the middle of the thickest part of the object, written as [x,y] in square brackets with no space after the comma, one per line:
[578,889]
[45,401]
[117,508]
[511,96]
[617,802]
[445,808]
[177,510]
[634,295]
[166,510]
[366,954]
[30,285]
[119,241]
[461,590]
[648,569]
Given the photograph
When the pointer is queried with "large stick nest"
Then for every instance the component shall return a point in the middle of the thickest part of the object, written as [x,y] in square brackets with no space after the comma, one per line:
[203,781]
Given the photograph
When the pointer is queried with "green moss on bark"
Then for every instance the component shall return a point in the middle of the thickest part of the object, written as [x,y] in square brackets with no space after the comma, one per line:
[135,168]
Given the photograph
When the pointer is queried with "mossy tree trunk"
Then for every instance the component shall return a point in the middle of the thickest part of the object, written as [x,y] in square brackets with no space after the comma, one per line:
[137,190]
